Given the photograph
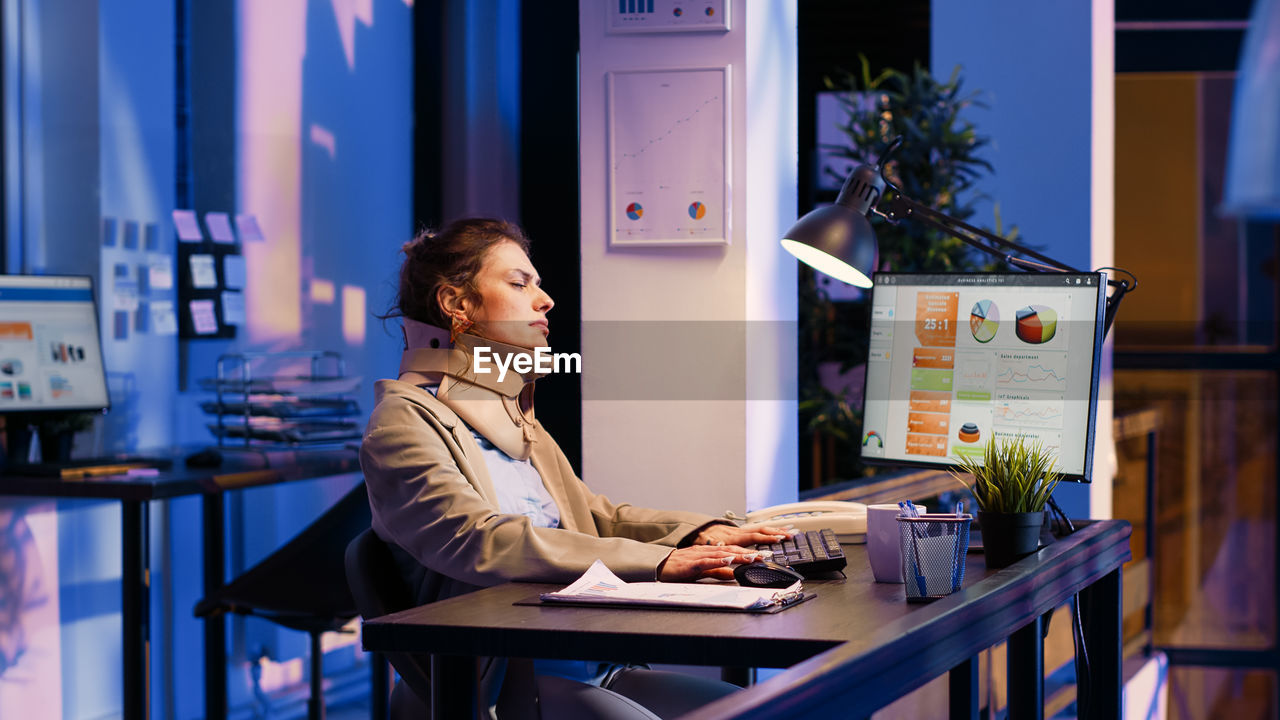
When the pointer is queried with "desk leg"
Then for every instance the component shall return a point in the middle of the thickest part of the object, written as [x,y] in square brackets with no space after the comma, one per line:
[379,686]
[1026,671]
[215,626]
[740,676]
[1101,616]
[963,682]
[453,687]
[135,610]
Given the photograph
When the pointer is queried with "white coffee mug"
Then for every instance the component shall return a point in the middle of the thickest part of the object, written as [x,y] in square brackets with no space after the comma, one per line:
[884,546]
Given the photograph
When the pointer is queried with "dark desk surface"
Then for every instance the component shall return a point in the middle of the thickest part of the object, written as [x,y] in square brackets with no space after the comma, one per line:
[239,469]
[883,645]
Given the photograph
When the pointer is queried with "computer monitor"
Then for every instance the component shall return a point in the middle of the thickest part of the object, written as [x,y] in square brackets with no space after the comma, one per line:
[50,350]
[958,358]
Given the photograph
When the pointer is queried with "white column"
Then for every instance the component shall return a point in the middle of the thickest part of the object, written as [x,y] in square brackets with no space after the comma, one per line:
[734,447]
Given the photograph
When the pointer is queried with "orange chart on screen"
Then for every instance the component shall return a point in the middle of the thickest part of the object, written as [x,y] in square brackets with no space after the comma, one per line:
[15,331]
[936,318]
[933,358]
[920,444]
[932,373]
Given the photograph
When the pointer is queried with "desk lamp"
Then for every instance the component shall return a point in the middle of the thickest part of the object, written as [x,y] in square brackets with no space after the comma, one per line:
[838,240]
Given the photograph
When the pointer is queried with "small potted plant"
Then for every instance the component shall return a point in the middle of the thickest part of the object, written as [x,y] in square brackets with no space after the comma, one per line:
[1011,483]
[57,433]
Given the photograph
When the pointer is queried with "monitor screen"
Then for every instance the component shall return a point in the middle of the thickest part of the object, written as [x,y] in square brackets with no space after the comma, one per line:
[50,352]
[956,359]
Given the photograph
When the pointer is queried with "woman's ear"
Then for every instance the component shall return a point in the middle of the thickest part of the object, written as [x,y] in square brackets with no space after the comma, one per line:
[451,300]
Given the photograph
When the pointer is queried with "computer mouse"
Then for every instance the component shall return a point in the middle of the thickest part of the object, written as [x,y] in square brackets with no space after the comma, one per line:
[209,457]
[765,574]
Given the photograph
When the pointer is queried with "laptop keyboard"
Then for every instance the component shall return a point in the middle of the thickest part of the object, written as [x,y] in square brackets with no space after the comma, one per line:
[809,553]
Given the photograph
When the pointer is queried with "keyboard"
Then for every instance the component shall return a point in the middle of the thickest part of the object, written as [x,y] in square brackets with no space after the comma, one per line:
[809,553]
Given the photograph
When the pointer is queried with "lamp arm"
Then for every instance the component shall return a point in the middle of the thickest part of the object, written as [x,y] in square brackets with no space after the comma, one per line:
[902,206]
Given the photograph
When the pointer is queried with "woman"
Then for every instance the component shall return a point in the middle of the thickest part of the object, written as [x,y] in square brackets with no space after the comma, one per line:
[465,484]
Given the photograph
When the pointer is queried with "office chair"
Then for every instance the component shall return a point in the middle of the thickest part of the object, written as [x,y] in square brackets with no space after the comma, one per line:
[379,589]
[302,585]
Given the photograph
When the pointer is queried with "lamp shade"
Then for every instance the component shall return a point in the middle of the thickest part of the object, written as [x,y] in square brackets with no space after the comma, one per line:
[836,241]
[1253,152]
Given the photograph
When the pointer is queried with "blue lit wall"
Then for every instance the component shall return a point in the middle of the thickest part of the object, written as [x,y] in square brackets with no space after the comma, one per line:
[95,179]
[1034,64]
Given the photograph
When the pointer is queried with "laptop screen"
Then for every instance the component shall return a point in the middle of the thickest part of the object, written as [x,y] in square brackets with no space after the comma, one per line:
[50,349]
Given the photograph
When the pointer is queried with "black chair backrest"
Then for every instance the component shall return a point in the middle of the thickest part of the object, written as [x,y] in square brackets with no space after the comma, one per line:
[379,590]
[301,584]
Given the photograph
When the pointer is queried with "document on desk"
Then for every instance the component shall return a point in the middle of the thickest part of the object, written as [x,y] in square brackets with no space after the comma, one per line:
[598,585]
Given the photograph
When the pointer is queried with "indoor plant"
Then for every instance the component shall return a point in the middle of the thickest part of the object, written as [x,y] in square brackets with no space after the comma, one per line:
[939,164]
[1012,481]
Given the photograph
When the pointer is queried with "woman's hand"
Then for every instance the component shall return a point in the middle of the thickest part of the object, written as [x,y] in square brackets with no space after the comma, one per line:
[734,535]
[699,561]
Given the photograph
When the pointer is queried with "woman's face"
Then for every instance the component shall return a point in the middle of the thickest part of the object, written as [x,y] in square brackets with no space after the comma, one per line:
[513,306]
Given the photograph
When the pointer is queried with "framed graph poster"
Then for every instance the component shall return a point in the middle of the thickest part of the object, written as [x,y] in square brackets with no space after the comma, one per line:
[669,151]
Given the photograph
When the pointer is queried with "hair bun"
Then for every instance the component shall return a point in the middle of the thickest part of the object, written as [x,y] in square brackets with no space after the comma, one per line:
[418,242]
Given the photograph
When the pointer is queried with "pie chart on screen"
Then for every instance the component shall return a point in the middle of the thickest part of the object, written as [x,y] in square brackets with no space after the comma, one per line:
[697,210]
[634,211]
[1036,324]
[984,320]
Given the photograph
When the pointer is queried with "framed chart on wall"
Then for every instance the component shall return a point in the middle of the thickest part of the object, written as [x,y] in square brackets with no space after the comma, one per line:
[669,152]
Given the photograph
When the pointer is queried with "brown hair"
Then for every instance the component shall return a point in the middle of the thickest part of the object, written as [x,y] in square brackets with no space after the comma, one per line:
[451,256]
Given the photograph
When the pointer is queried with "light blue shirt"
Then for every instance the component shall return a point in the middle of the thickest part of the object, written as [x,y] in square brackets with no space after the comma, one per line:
[517,483]
[521,492]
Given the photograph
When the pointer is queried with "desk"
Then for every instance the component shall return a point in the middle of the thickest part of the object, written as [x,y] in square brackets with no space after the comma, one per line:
[851,650]
[240,469]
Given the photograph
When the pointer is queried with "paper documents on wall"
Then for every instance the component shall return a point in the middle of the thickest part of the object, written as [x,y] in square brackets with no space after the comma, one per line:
[598,585]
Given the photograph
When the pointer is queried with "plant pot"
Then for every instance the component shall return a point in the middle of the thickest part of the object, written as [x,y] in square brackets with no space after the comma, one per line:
[55,445]
[1009,537]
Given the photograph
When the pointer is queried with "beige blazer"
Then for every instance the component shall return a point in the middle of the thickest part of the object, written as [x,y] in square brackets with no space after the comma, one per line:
[431,496]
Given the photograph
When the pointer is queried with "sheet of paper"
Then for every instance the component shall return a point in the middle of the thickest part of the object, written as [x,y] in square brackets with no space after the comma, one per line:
[232,308]
[130,239]
[249,230]
[599,584]
[203,273]
[219,227]
[125,297]
[203,318]
[233,271]
[184,221]
[108,232]
[151,237]
[160,274]
[163,319]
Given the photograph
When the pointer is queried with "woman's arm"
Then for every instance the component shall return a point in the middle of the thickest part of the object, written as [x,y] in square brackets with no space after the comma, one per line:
[671,528]
[423,501]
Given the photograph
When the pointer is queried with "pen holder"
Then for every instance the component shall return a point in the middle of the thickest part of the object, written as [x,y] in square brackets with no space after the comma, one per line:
[933,554]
